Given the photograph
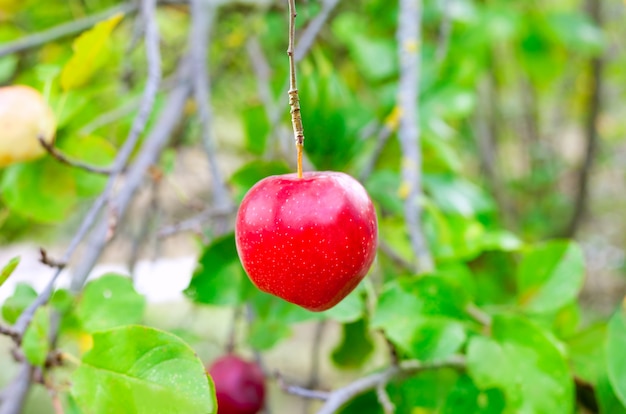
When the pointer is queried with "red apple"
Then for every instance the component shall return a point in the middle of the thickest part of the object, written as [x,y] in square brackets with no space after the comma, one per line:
[239,385]
[308,240]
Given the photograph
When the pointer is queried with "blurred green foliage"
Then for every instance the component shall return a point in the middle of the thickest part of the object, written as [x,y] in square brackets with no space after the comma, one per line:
[501,83]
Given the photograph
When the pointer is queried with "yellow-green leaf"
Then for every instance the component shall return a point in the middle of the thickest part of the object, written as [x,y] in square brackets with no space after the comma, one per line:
[90,52]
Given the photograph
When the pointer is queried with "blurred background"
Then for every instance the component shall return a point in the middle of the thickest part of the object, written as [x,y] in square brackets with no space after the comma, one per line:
[521,112]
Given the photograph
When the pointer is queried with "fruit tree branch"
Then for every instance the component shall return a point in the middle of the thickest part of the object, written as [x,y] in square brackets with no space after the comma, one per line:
[341,396]
[195,223]
[64,159]
[294,100]
[148,155]
[19,388]
[310,33]
[145,109]
[202,17]
[63,30]
[409,44]
[307,39]
[15,393]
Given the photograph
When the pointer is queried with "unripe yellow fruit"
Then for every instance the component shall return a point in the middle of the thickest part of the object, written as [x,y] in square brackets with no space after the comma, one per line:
[24,116]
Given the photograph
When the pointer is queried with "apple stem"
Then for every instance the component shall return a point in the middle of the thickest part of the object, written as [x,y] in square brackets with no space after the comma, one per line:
[299,148]
[294,100]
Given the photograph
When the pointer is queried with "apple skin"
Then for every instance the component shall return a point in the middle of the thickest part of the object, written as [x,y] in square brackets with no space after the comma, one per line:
[24,116]
[308,240]
[239,385]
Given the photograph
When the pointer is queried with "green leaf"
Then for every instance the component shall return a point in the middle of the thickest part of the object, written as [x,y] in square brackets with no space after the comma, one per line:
[15,304]
[455,195]
[8,269]
[141,370]
[265,334]
[374,56]
[108,302]
[615,355]
[397,314]
[257,128]
[466,398]
[437,338]
[251,173]
[525,362]
[607,400]
[42,190]
[586,353]
[350,309]
[577,31]
[423,393]
[219,278]
[550,276]
[91,50]
[36,341]
[273,318]
[356,346]
[383,186]
[421,315]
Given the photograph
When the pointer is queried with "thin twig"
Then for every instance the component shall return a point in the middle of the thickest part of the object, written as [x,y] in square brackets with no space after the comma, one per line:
[10,332]
[300,391]
[384,400]
[314,373]
[194,223]
[394,256]
[307,39]
[202,17]
[63,30]
[409,45]
[56,402]
[478,315]
[310,33]
[145,225]
[61,157]
[294,100]
[384,133]
[48,261]
[341,396]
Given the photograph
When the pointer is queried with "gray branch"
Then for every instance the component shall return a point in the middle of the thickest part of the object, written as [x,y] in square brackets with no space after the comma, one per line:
[202,17]
[409,44]
[341,396]
[150,150]
[63,30]
[16,392]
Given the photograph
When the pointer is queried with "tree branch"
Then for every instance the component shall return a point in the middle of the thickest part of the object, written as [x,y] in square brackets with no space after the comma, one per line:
[202,17]
[341,396]
[300,391]
[307,39]
[14,401]
[63,30]
[58,155]
[194,223]
[139,124]
[15,393]
[409,45]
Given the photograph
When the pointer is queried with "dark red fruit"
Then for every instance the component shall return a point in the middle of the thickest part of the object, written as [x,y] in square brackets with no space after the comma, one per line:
[308,240]
[239,385]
